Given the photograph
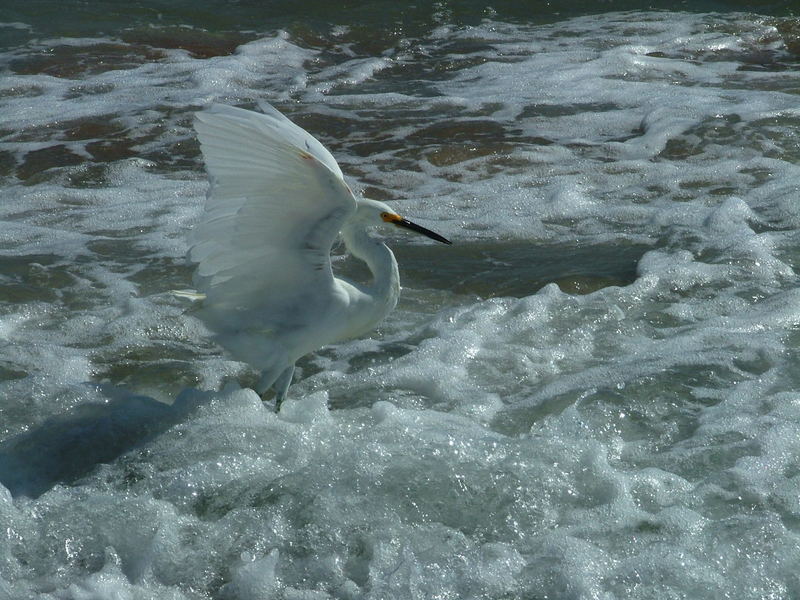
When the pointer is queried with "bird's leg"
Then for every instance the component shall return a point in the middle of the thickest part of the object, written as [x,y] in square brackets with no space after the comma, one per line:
[281,386]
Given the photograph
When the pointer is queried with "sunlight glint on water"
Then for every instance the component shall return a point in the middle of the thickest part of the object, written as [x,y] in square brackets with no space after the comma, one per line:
[592,394]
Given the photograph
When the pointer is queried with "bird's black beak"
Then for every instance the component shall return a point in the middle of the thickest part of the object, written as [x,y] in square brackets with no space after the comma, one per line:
[420,229]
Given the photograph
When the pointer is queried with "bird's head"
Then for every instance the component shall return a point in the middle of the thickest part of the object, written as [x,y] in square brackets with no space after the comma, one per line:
[373,212]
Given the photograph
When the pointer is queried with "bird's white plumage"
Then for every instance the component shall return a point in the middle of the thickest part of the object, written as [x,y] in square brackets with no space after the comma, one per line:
[276,204]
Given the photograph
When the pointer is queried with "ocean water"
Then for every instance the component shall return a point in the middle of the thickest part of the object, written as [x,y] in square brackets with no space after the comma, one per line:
[593,394]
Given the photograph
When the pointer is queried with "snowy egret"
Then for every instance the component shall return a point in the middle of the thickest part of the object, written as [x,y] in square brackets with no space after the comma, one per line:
[276,204]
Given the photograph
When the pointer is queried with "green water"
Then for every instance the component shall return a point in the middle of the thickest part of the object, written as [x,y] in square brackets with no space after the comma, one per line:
[75,18]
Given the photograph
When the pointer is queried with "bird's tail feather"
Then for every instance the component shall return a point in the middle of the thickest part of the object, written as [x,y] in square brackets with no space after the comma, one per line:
[192,295]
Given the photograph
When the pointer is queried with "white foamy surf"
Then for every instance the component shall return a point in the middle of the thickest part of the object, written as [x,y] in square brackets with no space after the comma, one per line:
[501,435]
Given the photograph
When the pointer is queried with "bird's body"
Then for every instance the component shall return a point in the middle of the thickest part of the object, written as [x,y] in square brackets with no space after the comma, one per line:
[276,204]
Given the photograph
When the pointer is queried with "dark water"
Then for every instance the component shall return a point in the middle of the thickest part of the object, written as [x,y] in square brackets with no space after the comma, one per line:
[384,18]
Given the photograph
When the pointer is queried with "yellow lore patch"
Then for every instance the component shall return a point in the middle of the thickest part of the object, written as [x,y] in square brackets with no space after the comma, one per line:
[391,218]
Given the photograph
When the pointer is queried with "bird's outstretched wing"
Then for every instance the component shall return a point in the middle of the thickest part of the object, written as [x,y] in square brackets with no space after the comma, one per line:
[276,204]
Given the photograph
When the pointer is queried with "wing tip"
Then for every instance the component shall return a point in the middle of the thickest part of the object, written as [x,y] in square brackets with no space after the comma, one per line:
[218,110]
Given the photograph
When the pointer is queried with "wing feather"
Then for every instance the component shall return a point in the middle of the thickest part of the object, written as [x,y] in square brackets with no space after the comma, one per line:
[275,206]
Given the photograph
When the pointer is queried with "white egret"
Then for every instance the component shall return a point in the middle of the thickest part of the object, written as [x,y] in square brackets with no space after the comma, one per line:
[276,204]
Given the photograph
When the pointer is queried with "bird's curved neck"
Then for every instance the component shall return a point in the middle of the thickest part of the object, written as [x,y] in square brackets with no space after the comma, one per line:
[380,260]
